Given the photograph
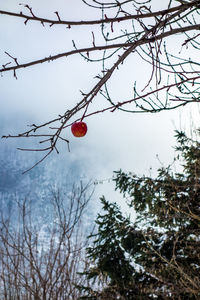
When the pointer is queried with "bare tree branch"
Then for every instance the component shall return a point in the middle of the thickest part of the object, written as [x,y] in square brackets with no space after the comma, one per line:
[96,22]
[134,44]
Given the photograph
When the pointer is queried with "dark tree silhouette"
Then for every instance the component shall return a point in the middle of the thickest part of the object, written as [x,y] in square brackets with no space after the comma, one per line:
[157,256]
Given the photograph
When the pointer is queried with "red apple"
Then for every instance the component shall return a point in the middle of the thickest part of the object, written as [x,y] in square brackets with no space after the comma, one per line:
[79,129]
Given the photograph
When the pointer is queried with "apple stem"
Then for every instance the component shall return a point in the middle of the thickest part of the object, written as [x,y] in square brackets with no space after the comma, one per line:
[83,116]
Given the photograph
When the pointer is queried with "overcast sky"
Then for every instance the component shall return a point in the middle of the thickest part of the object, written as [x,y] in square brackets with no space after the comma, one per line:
[114,140]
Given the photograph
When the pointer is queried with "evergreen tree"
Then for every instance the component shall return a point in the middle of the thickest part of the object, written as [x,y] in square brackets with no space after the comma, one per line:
[157,256]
